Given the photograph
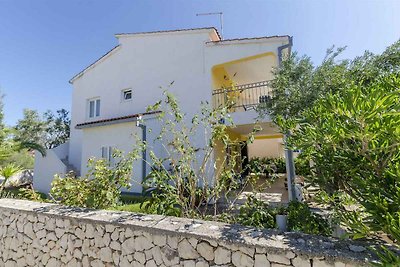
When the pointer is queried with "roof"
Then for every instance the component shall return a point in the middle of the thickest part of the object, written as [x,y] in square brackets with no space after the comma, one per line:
[171,31]
[123,119]
[247,39]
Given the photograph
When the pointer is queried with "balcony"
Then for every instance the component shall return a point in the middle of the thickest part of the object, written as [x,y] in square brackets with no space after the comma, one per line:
[244,97]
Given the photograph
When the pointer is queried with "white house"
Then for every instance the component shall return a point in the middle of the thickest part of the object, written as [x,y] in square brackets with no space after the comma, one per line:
[110,94]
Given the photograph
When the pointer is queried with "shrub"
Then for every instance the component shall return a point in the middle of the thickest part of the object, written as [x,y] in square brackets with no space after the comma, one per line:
[353,139]
[100,188]
[256,213]
[300,218]
[266,166]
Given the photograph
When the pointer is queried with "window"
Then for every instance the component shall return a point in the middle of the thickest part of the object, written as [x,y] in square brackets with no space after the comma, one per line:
[94,108]
[107,153]
[127,95]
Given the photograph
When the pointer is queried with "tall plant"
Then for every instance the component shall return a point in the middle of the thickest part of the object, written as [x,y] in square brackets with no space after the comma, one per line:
[190,178]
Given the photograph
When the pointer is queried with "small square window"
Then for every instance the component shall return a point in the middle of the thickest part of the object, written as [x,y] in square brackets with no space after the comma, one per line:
[127,94]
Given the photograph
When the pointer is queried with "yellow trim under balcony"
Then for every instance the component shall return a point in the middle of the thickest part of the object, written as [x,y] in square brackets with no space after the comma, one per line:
[268,136]
[222,79]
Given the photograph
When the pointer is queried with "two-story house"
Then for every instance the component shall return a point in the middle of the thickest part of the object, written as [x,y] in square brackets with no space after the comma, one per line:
[111,94]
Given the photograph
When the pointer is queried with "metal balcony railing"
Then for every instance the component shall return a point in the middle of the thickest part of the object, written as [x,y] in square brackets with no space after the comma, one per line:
[243,97]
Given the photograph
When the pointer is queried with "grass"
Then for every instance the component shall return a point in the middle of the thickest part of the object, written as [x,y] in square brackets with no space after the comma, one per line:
[132,203]
[130,207]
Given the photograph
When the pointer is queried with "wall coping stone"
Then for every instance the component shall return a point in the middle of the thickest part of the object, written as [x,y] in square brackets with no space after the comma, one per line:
[271,241]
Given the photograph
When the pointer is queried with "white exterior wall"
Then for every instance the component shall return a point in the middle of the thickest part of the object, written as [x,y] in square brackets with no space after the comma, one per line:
[46,167]
[119,136]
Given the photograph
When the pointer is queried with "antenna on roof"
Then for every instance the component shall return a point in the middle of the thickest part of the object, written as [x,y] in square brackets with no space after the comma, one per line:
[221,19]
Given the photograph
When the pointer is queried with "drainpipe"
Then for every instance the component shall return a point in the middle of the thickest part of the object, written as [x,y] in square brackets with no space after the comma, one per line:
[290,168]
[280,49]
[144,152]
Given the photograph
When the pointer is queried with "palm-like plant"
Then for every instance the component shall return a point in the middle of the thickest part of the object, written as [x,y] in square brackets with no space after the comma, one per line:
[8,171]
[31,146]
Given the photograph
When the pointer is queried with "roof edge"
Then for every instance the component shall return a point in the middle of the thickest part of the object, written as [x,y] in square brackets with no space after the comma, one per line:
[117,35]
[103,57]
[123,119]
[235,40]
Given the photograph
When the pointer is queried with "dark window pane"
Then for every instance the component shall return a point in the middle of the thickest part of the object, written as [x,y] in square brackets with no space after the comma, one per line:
[91,109]
[97,107]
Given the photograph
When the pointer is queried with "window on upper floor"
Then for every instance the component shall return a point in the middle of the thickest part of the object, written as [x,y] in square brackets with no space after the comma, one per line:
[94,108]
[126,94]
[107,153]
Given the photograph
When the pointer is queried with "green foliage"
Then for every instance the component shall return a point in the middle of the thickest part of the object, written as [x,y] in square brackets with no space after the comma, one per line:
[300,218]
[21,158]
[48,130]
[187,181]
[57,129]
[257,213]
[298,84]
[267,166]
[353,138]
[30,129]
[101,188]
[302,166]
[345,117]
[30,194]
[136,207]
[7,172]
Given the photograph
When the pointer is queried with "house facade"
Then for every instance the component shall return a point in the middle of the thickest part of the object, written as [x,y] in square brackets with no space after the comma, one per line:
[110,97]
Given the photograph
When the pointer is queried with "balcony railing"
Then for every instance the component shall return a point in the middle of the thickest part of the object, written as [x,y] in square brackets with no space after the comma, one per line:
[243,97]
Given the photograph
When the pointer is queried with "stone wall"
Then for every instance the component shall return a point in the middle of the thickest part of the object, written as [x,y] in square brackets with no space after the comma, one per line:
[39,234]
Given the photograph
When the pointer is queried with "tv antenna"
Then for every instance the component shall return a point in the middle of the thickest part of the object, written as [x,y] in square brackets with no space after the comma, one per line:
[221,19]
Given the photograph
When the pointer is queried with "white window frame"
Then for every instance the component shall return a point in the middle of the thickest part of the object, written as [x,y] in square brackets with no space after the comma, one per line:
[107,153]
[96,108]
[123,92]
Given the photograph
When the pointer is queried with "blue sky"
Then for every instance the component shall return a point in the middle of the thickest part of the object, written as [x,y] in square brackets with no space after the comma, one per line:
[43,43]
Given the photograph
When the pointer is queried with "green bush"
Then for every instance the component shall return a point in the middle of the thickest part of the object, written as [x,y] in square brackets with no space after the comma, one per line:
[266,166]
[100,189]
[353,139]
[256,213]
[300,218]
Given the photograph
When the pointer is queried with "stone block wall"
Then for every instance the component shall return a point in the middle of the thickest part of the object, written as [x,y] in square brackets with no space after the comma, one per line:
[40,234]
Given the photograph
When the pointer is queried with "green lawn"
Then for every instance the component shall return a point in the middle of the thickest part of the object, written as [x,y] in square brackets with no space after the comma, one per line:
[131,203]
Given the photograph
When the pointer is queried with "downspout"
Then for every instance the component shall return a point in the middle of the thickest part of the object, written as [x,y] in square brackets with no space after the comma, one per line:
[280,48]
[290,167]
[144,152]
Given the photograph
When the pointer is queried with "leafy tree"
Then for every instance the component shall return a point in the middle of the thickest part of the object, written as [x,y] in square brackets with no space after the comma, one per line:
[30,129]
[298,83]
[57,128]
[49,130]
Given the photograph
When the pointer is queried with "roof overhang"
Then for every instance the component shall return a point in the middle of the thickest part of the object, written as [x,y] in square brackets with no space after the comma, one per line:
[214,34]
[101,59]
[277,38]
[116,120]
